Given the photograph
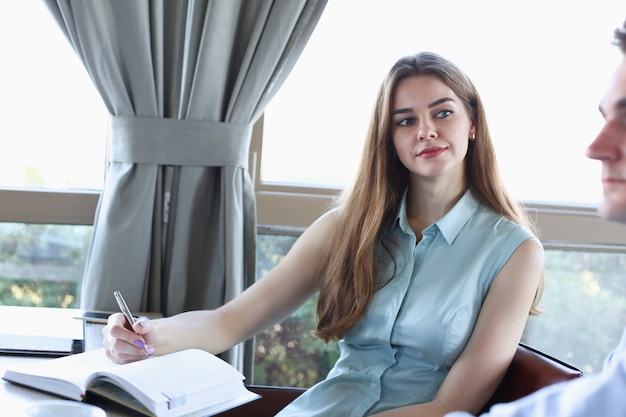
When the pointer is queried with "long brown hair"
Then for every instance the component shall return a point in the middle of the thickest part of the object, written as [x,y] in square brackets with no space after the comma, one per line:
[371,204]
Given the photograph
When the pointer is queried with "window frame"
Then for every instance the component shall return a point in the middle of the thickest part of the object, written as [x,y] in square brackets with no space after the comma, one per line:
[49,206]
[561,226]
[290,209]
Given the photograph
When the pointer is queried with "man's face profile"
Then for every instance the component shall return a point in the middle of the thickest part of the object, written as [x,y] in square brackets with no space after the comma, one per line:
[609,147]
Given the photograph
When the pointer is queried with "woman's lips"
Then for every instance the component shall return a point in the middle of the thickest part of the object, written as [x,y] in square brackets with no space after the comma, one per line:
[431,152]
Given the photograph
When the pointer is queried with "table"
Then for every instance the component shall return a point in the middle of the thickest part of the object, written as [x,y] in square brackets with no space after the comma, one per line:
[14,398]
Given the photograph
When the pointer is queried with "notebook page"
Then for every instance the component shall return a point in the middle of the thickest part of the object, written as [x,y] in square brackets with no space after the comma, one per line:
[49,375]
[175,377]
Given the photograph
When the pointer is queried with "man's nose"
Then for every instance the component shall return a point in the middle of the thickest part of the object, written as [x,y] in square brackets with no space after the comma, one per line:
[606,145]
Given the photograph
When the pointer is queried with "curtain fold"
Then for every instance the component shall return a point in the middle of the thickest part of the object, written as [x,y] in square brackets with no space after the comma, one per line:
[184,82]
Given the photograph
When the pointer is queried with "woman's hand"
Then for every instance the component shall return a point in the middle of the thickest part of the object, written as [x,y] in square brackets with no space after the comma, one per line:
[123,345]
[271,299]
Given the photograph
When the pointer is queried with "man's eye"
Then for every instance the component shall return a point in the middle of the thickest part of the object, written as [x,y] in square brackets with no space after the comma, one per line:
[443,113]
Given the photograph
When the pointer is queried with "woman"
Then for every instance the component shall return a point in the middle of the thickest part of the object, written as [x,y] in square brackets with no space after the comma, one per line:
[426,268]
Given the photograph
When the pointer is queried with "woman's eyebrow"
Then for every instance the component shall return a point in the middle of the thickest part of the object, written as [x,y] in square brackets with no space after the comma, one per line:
[430,106]
[438,102]
[400,111]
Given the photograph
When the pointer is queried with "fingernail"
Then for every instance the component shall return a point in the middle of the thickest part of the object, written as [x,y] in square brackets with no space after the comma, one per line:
[139,344]
[142,324]
[150,351]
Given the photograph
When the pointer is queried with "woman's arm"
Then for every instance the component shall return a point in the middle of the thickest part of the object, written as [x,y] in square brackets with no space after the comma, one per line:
[272,298]
[481,366]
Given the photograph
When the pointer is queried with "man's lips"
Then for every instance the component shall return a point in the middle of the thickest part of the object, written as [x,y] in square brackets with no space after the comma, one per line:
[431,152]
[614,180]
[613,184]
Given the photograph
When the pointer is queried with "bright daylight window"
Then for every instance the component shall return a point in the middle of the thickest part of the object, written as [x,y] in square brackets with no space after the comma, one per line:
[540,67]
[53,125]
[53,119]
[540,89]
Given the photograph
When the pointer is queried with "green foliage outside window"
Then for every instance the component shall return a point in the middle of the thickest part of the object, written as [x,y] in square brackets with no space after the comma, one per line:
[38,293]
[41,265]
[288,354]
[584,301]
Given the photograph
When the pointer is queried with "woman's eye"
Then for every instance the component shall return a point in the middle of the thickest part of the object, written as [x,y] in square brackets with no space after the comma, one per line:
[443,113]
[404,122]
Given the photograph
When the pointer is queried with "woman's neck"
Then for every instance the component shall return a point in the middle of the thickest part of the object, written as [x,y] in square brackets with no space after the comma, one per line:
[429,201]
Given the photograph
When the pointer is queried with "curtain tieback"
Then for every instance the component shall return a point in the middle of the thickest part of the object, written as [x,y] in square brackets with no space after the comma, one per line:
[160,141]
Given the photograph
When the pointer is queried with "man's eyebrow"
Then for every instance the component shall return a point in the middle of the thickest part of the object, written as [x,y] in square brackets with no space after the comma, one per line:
[619,105]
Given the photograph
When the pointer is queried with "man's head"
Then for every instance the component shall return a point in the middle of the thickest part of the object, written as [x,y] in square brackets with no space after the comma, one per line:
[610,144]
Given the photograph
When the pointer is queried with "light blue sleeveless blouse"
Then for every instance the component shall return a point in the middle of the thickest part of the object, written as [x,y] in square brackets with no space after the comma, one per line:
[419,322]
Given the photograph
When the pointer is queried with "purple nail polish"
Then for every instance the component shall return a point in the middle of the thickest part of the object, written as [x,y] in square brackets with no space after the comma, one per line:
[139,344]
[150,351]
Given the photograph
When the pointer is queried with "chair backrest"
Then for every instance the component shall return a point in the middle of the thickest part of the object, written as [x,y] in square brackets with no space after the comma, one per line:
[529,371]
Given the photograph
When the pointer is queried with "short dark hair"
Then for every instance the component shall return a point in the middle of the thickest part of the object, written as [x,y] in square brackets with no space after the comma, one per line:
[620,37]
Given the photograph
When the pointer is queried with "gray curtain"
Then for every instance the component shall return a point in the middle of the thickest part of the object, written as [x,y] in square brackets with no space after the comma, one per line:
[184,82]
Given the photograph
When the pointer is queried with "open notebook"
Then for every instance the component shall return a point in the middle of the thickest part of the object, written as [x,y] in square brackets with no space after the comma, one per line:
[187,383]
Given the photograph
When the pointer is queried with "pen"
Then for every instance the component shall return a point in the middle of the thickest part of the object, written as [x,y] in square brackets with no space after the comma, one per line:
[127,313]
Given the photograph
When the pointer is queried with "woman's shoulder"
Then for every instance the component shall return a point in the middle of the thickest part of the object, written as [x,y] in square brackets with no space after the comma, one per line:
[322,228]
[503,224]
[330,217]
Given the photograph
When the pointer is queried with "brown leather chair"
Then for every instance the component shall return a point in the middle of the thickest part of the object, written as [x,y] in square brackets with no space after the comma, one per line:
[529,371]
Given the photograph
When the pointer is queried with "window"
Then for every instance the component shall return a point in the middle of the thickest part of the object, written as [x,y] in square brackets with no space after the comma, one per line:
[531,63]
[51,113]
[584,307]
[53,119]
[41,265]
[528,63]
[288,354]
[53,125]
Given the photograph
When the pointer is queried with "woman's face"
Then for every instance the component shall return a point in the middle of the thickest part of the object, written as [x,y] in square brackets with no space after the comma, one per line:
[430,128]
